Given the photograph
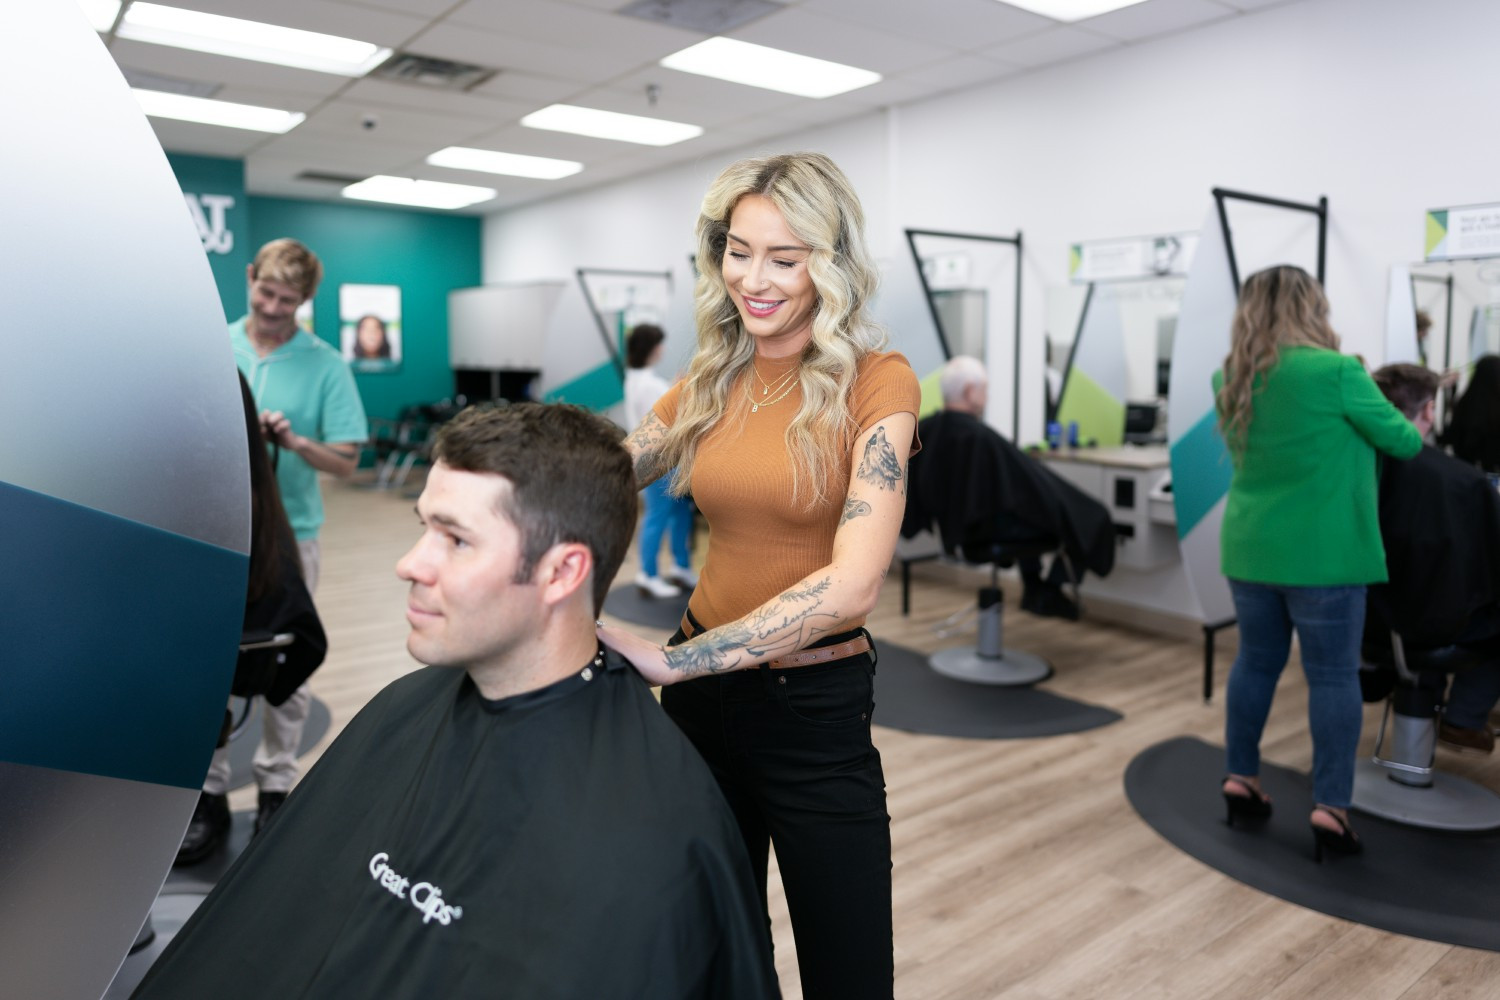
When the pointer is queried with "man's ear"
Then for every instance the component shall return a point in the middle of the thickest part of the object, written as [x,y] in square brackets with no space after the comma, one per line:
[563,570]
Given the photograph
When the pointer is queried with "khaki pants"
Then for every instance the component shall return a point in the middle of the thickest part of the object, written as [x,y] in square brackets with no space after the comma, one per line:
[281,725]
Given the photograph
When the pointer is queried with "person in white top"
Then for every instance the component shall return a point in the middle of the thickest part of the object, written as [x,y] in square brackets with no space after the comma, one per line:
[643,387]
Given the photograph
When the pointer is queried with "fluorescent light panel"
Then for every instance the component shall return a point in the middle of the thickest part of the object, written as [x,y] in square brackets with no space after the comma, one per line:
[422,194]
[1071,10]
[512,164]
[769,69]
[610,125]
[207,112]
[232,36]
[101,13]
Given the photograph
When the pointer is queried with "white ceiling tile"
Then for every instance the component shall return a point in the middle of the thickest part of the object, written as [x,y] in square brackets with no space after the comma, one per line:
[670,105]
[506,52]
[382,27]
[204,140]
[1052,45]
[1155,17]
[528,88]
[839,40]
[206,68]
[718,97]
[566,25]
[387,94]
[541,142]
[1254,4]
[344,120]
[958,71]
[422,8]
[966,24]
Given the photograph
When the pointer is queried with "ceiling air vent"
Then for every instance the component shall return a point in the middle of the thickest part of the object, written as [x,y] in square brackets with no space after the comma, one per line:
[428,71]
[325,178]
[710,16]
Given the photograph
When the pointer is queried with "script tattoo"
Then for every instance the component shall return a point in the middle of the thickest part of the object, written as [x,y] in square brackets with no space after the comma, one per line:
[880,467]
[787,623]
[645,444]
[853,507]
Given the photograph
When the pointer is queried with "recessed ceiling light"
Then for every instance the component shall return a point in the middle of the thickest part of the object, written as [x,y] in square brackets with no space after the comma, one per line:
[1071,10]
[232,36]
[101,13]
[422,194]
[207,112]
[513,164]
[610,125]
[768,68]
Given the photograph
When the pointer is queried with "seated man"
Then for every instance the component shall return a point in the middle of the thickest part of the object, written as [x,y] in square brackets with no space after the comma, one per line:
[519,818]
[969,479]
[1440,521]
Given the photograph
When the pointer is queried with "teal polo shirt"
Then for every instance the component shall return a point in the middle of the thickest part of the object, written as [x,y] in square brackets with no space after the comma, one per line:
[307,380]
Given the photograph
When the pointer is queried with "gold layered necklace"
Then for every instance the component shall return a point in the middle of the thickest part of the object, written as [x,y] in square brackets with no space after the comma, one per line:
[781,386]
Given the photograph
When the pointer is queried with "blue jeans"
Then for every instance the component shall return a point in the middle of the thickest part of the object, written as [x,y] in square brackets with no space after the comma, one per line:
[1329,622]
[664,511]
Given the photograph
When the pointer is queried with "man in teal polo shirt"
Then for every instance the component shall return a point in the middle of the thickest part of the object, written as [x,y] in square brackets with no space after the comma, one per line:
[310,407]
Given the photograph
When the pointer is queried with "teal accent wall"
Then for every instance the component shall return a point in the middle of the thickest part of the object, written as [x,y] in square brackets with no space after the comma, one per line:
[232,251]
[597,389]
[425,253]
[1201,472]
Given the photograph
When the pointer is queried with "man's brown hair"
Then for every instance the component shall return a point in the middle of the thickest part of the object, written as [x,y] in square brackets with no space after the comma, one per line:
[1408,386]
[290,263]
[571,479]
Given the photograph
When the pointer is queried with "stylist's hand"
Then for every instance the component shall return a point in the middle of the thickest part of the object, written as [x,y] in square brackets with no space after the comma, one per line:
[277,427]
[648,658]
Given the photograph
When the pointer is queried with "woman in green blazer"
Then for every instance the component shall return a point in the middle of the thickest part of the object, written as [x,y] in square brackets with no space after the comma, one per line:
[1301,532]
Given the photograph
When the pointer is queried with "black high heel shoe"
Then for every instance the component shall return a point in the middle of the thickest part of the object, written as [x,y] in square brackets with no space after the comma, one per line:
[1340,841]
[1248,809]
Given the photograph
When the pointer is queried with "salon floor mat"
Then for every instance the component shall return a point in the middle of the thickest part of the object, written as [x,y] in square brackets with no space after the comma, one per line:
[242,749]
[628,604]
[1423,883]
[910,695]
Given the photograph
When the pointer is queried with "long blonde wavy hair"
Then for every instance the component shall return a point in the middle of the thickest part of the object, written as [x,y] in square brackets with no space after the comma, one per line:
[822,210]
[1282,306]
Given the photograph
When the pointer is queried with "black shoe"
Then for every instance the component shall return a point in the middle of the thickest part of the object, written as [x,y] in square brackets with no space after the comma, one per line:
[1252,808]
[207,831]
[1049,601]
[1340,841]
[266,807]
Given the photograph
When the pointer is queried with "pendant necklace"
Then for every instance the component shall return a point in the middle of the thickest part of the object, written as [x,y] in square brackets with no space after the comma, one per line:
[755,404]
[766,388]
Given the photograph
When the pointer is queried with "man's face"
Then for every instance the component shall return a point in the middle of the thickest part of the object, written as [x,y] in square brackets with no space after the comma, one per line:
[274,304]
[464,607]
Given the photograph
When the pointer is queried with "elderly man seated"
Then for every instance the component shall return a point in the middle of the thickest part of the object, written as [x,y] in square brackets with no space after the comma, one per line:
[1440,521]
[968,478]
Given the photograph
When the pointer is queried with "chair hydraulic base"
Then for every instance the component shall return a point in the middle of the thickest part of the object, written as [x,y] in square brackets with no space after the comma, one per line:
[1013,669]
[989,662]
[1449,803]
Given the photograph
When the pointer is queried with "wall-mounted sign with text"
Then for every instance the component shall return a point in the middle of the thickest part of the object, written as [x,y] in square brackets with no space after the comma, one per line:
[1466,231]
[1131,259]
[210,214]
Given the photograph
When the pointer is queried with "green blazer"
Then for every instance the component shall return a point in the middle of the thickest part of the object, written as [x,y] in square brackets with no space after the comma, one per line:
[1302,507]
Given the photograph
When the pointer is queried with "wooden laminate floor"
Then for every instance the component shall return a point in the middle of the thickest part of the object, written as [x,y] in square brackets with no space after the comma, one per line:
[1021,872]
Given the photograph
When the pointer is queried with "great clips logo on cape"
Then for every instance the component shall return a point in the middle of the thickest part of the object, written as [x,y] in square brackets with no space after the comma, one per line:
[424,896]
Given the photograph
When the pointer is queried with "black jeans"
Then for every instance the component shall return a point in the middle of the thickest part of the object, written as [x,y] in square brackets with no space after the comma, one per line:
[791,751]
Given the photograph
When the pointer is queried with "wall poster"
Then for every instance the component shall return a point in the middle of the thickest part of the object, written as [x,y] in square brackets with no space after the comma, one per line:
[370,327]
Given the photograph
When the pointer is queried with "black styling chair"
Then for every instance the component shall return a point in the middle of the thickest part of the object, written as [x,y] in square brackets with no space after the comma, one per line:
[1400,782]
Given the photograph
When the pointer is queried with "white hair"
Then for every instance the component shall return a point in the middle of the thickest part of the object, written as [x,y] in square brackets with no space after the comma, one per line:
[958,374]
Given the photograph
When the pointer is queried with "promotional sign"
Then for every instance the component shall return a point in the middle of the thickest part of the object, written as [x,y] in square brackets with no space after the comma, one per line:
[370,327]
[1136,257]
[1466,231]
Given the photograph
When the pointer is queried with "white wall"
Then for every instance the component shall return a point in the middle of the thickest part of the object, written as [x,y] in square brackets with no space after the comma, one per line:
[1383,105]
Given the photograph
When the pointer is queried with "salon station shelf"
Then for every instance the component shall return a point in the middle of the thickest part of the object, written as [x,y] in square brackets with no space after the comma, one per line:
[1134,484]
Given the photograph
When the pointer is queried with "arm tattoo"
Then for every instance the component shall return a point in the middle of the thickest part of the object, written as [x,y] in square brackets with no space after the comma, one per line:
[645,445]
[853,507]
[880,467]
[779,626]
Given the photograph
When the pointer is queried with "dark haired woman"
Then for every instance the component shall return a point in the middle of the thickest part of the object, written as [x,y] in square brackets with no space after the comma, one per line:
[1301,534]
[665,514]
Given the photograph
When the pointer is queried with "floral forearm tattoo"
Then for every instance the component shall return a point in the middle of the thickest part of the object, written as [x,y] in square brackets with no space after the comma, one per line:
[783,625]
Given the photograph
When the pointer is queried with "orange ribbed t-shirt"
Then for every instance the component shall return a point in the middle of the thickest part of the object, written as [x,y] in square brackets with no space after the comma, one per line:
[760,542]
